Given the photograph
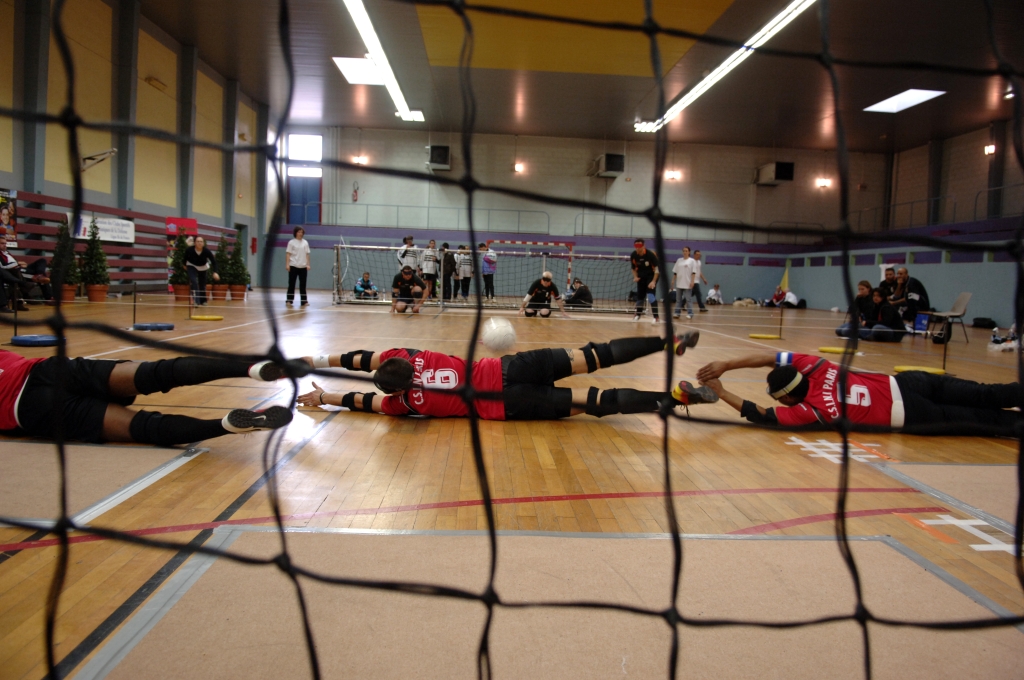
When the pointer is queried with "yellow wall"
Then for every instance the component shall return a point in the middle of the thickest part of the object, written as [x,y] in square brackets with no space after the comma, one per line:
[88,25]
[208,176]
[156,163]
[245,163]
[7,84]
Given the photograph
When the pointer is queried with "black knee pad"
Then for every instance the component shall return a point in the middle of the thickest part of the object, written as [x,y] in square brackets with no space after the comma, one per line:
[155,376]
[145,426]
[545,313]
[530,312]
[593,409]
[603,352]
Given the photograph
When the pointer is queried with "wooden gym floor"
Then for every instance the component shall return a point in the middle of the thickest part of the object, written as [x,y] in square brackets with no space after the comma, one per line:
[344,474]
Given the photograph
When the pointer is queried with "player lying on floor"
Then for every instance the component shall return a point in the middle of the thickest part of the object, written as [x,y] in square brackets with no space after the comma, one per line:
[97,392]
[808,389]
[525,380]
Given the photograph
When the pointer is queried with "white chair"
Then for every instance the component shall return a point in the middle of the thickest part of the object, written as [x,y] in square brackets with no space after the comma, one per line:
[955,314]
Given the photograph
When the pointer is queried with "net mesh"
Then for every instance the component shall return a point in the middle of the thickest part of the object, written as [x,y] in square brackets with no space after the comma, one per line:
[274,459]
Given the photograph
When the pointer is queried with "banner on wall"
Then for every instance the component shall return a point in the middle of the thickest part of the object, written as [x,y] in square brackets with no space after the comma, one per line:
[8,210]
[190,225]
[110,228]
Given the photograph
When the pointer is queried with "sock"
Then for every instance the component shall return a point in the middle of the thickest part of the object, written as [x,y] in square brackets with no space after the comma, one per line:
[166,374]
[624,350]
[152,427]
[623,400]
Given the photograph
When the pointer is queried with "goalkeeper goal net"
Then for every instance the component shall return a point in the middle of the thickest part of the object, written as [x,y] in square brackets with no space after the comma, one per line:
[607,278]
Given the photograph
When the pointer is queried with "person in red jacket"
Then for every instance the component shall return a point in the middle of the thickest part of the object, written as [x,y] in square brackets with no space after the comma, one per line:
[97,393]
[520,386]
[808,387]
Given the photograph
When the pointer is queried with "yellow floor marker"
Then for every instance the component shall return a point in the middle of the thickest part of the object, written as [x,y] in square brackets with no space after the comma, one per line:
[837,350]
[765,336]
[926,369]
[207,317]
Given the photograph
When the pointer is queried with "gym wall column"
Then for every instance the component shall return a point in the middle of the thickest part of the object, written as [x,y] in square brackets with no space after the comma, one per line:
[260,184]
[187,75]
[230,137]
[890,165]
[36,46]
[127,81]
[934,181]
[996,163]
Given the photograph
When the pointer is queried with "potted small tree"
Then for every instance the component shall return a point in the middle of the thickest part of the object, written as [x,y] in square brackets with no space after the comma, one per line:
[64,266]
[220,288]
[94,267]
[237,274]
[179,276]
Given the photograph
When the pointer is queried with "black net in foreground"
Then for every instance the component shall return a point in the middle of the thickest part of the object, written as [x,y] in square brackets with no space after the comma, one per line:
[833,66]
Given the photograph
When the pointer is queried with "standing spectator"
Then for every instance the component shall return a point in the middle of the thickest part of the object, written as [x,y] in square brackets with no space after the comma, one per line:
[715,295]
[297,263]
[684,273]
[365,290]
[428,267]
[464,269]
[579,295]
[910,297]
[198,261]
[888,286]
[407,254]
[777,299]
[698,265]
[448,270]
[488,267]
[645,274]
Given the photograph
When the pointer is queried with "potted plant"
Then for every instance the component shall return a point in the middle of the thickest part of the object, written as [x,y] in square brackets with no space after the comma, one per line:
[220,288]
[94,266]
[237,274]
[64,266]
[179,276]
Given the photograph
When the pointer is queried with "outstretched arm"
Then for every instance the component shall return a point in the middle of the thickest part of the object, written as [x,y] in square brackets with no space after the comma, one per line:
[716,368]
[359,360]
[370,402]
[748,409]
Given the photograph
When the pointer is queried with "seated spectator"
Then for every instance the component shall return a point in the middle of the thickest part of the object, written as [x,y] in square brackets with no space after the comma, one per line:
[790,300]
[11,275]
[863,304]
[882,325]
[888,286]
[579,295]
[365,290]
[715,296]
[776,300]
[910,297]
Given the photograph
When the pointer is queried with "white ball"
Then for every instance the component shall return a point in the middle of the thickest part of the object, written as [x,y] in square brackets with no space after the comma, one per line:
[498,334]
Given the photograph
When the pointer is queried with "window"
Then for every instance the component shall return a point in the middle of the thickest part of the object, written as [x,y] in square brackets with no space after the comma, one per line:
[306,148]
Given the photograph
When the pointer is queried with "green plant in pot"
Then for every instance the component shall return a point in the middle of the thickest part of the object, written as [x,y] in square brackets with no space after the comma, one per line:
[64,266]
[237,273]
[95,275]
[179,275]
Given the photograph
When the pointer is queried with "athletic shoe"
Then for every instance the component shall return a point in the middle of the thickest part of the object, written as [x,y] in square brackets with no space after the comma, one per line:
[266,371]
[703,310]
[689,317]
[688,394]
[687,339]
[242,420]
[636,318]
[675,316]
[654,321]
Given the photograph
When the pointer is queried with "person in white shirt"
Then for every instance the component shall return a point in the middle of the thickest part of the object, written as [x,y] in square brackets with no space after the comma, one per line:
[408,255]
[297,263]
[429,259]
[715,295]
[683,276]
[464,270]
[791,300]
[698,277]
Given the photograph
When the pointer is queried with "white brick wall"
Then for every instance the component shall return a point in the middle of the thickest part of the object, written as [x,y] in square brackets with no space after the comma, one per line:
[964,174]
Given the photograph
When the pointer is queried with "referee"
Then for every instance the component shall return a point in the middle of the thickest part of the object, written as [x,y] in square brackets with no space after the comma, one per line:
[645,273]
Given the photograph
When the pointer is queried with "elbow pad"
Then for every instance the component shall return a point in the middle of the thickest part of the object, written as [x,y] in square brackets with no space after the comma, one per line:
[750,412]
[348,360]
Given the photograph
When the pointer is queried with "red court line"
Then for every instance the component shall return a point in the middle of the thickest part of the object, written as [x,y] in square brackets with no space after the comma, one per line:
[24,545]
[829,517]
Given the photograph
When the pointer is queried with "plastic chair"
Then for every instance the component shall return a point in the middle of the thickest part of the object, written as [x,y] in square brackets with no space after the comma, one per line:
[955,314]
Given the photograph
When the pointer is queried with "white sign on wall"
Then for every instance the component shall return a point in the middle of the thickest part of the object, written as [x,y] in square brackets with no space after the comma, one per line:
[110,228]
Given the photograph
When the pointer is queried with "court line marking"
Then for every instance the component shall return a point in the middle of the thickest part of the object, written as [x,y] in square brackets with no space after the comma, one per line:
[828,517]
[935,533]
[141,623]
[977,513]
[443,505]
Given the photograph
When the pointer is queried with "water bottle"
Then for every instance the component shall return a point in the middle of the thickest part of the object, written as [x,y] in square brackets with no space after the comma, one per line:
[996,340]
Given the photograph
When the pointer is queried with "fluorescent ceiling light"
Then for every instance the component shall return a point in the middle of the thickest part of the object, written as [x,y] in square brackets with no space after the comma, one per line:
[305,172]
[359,71]
[904,100]
[780,21]
[306,148]
[380,60]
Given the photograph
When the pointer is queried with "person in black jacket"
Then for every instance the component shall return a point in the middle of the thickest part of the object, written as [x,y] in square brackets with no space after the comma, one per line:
[881,324]
[198,261]
[579,295]
[910,296]
[447,271]
[862,306]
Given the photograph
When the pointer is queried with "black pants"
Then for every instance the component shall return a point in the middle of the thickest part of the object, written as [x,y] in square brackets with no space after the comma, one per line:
[464,284]
[930,399]
[446,288]
[197,281]
[299,273]
[488,285]
[642,294]
[698,295]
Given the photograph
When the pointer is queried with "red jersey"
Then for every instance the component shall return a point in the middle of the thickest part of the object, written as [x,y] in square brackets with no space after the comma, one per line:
[444,372]
[14,370]
[872,398]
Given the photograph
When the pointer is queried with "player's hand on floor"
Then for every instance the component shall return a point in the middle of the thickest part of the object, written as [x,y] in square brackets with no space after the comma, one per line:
[565,315]
[711,371]
[714,384]
[522,312]
[313,398]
